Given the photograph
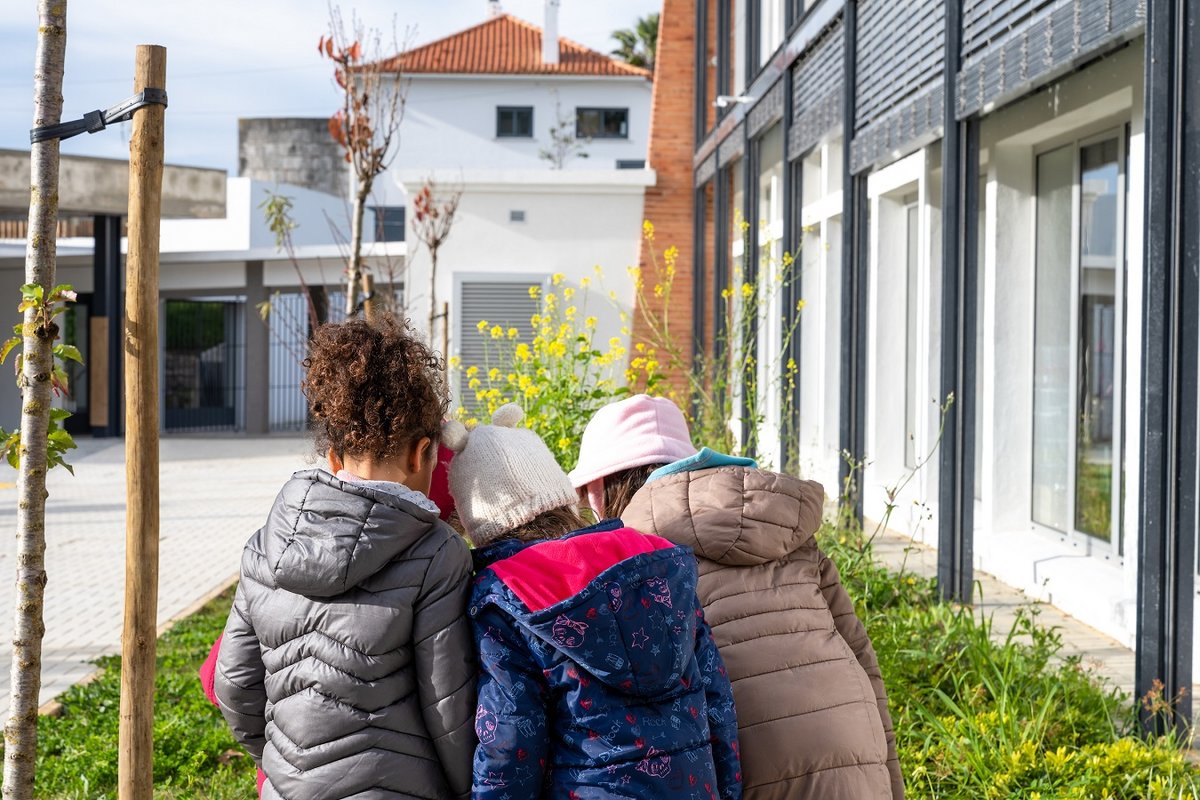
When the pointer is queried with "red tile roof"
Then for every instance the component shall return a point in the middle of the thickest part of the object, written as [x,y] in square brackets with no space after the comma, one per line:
[505,45]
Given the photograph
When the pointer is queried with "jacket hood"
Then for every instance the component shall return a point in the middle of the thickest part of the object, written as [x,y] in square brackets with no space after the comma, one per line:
[734,515]
[620,604]
[325,536]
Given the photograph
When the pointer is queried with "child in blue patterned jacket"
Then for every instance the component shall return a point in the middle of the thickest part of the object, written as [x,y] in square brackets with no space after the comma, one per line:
[598,675]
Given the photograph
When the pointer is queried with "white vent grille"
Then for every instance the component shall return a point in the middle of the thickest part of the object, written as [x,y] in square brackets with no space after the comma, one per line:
[503,303]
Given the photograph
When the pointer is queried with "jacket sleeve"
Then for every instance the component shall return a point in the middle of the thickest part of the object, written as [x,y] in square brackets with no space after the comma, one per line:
[855,634]
[722,719]
[511,721]
[238,681]
[445,661]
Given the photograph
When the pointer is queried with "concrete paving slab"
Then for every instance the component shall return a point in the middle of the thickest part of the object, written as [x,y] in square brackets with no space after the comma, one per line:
[216,491]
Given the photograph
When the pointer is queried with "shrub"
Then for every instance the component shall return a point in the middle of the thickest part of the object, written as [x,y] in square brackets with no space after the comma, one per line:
[555,369]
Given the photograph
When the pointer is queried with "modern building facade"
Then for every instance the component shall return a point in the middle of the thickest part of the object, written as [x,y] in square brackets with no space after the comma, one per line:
[991,310]
[235,314]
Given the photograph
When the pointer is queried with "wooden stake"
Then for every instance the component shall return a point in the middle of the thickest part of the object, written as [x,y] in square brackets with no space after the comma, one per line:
[135,777]
[368,289]
[445,336]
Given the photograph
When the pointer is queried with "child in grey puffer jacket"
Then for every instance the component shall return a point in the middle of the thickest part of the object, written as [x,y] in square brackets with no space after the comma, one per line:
[347,666]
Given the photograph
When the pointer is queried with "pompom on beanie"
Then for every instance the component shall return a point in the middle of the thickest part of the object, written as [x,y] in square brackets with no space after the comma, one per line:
[502,476]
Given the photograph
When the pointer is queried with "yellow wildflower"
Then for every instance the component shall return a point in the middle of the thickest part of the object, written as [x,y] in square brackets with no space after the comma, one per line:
[614,342]
[472,422]
[493,374]
[585,282]
[570,312]
[590,322]
[747,290]
[648,229]
[564,443]
[482,326]
[522,352]
[557,278]
[455,362]
[532,391]
[568,293]
[534,291]
[474,383]
[497,332]
[513,333]
[800,305]
[472,371]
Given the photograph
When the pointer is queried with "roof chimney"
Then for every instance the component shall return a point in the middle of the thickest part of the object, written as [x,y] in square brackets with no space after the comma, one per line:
[494,9]
[550,34]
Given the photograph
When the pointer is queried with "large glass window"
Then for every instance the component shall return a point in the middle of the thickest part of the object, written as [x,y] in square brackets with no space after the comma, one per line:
[913,406]
[1077,353]
[1099,224]
[771,25]
[602,123]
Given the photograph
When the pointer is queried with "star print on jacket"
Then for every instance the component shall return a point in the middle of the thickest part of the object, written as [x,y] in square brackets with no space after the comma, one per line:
[599,677]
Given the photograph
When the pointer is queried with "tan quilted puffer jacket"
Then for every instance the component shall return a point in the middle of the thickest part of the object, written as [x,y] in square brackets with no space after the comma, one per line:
[811,706]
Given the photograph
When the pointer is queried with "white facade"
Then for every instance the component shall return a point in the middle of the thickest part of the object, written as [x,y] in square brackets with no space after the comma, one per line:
[521,219]
[1060,304]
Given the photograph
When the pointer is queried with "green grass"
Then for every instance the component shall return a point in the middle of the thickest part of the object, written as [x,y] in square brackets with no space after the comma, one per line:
[194,753]
[979,718]
[975,718]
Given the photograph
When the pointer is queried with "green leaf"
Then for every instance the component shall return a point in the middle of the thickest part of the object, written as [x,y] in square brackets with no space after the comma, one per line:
[32,291]
[7,347]
[60,440]
[59,414]
[63,351]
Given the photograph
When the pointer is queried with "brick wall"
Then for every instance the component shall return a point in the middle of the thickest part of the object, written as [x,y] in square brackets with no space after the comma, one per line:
[668,204]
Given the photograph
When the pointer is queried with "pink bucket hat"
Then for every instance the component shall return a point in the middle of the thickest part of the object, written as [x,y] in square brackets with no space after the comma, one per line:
[634,432]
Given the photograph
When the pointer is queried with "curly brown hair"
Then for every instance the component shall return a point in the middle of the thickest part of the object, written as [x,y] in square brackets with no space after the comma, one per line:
[373,388]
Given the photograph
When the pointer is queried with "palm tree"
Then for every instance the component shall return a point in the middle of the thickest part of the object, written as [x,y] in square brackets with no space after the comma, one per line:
[636,45]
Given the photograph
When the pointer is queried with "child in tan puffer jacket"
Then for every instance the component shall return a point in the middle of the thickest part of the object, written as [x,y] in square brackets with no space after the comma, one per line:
[811,705]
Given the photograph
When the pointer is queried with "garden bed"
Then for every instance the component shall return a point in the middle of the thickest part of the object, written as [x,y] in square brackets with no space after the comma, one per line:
[975,718]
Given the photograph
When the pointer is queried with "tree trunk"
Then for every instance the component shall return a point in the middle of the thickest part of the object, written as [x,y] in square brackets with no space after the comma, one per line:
[354,276]
[20,733]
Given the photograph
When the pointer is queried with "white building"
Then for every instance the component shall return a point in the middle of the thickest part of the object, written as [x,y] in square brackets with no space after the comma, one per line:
[481,107]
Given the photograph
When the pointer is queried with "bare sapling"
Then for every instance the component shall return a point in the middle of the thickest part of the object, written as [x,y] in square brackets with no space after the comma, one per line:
[367,126]
[36,370]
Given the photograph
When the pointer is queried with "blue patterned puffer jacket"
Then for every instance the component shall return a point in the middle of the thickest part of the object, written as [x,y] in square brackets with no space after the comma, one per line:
[599,677]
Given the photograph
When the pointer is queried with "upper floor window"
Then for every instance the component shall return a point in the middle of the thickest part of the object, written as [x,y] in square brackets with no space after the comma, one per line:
[514,122]
[389,223]
[771,25]
[602,123]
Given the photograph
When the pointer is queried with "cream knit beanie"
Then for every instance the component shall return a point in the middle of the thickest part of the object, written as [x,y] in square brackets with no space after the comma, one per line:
[502,476]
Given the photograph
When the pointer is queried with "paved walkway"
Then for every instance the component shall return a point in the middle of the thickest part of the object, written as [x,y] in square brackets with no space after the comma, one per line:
[215,493]
[1108,657]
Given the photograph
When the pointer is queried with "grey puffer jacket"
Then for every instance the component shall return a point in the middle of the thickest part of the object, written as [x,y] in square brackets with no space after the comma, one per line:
[347,668]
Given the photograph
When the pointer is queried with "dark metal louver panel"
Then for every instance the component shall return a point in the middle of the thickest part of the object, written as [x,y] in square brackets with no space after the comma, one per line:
[900,63]
[734,145]
[766,111]
[817,92]
[1009,46]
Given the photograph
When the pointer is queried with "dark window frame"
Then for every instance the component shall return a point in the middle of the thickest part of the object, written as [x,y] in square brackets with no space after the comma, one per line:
[580,110]
[501,110]
[390,220]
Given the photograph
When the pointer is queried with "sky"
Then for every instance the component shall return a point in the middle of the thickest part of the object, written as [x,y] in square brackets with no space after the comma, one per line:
[234,58]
